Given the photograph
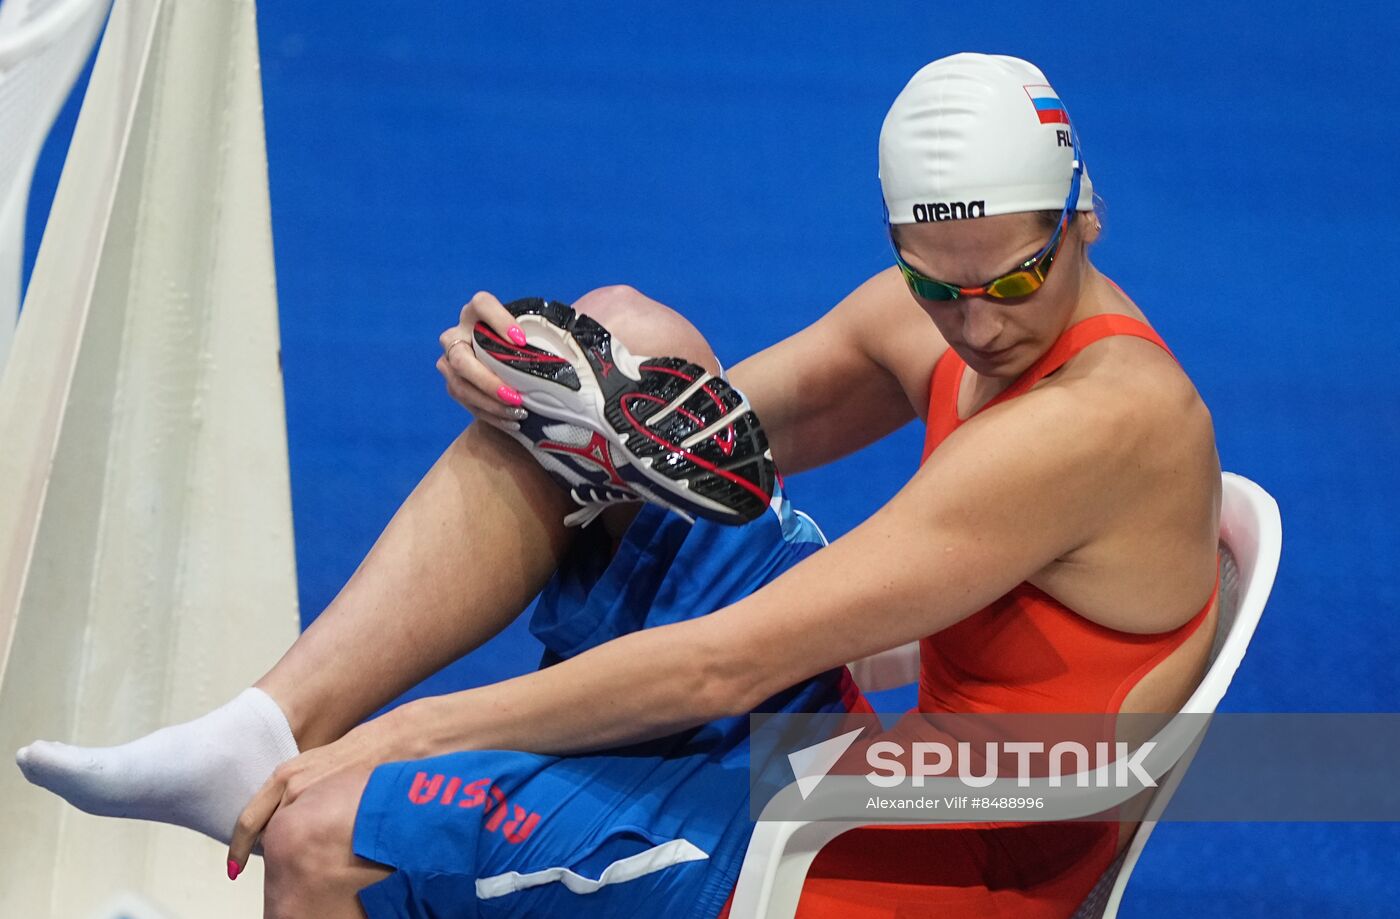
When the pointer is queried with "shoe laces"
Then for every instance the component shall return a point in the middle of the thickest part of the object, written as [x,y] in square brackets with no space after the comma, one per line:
[594,499]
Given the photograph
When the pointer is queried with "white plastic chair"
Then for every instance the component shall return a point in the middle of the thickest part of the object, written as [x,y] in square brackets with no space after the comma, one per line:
[1251,533]
[43,46]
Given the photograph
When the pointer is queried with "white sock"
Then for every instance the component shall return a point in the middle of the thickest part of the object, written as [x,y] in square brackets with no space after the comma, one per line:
[200,774]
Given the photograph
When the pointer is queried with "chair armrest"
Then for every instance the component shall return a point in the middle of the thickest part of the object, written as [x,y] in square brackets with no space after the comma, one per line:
[779,855]
[888,669]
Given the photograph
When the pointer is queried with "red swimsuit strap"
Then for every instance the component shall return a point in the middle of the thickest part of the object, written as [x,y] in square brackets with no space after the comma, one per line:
[948,372]
[943,400]
[1075,339]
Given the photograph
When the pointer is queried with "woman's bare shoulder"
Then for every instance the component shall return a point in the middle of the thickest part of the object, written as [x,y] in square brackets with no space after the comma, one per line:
[896,333]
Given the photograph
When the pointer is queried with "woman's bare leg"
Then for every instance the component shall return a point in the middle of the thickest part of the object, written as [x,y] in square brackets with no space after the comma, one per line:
[465,553]
[311,868]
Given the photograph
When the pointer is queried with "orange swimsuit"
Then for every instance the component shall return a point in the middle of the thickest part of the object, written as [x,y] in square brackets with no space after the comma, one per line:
[1024,653]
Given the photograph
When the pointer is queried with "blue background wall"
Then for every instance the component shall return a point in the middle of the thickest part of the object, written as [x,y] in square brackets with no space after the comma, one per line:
[721,157]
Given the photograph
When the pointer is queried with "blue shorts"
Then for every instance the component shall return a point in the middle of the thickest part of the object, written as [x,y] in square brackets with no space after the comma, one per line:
[659,828]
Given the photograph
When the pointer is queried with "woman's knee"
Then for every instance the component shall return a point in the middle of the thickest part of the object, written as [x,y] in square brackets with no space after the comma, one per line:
[646,326]
[295,838]
[604,302]
[297,860]
[308,855]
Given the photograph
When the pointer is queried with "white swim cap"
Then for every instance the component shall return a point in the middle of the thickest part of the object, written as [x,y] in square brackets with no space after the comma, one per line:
[976,135]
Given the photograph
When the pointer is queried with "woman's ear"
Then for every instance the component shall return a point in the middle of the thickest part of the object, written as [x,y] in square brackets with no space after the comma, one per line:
[1090,227]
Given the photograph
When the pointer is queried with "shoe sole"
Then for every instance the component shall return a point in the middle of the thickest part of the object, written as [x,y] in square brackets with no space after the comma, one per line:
[686,434]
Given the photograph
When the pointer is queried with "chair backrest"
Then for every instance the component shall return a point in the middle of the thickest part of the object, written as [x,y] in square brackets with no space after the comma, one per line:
[1251,534]
[43,46]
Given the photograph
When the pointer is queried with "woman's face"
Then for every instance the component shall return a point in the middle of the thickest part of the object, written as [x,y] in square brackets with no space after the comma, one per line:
[997,338]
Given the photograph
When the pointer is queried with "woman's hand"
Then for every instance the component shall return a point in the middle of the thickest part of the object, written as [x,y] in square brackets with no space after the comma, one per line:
[469,381]
[363,748]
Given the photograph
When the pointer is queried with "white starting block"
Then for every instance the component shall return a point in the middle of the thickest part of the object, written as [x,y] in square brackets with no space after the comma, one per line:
[147,571]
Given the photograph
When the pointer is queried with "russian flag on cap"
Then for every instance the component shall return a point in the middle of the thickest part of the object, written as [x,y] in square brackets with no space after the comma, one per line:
[1048,106]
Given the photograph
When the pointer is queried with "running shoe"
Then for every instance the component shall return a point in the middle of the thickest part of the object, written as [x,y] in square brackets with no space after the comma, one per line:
[613,427]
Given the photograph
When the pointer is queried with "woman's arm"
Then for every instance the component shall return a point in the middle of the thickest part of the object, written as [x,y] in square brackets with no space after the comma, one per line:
[984,514]
[829,389]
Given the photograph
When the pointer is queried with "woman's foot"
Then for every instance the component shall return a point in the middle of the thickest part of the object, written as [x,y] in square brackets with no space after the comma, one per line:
[200,774]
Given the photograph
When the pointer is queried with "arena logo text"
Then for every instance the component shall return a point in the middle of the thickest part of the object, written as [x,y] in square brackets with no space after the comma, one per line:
[949,210]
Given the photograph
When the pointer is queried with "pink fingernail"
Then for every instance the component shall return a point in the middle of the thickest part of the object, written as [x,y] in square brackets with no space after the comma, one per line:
[509,396]
[517,335]
[233,870]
